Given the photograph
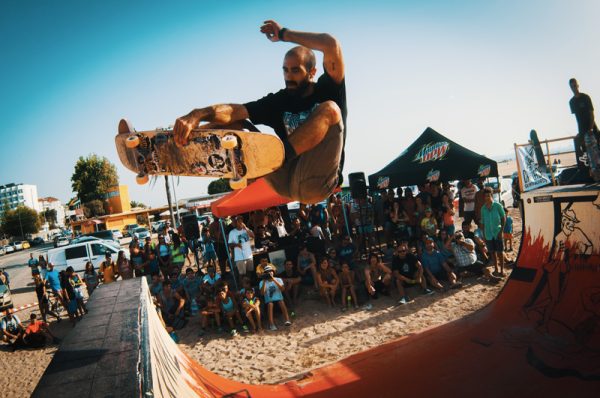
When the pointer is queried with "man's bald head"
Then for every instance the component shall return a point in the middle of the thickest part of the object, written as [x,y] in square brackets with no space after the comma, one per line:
[306,55]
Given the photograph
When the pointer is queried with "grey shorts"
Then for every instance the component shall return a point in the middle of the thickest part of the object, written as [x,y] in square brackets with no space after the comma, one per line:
[313,175]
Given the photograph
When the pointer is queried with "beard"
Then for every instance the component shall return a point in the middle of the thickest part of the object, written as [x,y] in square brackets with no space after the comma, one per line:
[297,89]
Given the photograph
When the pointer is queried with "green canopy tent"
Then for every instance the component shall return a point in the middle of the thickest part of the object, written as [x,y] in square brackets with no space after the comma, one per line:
[433,157]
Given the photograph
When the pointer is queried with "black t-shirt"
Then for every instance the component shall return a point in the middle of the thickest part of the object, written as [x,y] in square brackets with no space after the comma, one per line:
[406,266]
[284,111]
[582,106]
[293,274]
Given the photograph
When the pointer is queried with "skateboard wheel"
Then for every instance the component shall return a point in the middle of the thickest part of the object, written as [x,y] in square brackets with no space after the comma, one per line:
[238,183]
[229,142]
[141,179]
[132,141]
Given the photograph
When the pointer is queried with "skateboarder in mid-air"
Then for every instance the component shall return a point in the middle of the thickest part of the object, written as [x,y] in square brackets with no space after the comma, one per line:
[308,116]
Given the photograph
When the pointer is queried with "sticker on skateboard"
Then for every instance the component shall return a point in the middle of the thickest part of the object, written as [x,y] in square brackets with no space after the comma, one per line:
[220,153]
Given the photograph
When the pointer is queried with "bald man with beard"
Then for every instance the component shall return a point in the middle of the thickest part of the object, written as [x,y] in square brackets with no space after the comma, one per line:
[307,115]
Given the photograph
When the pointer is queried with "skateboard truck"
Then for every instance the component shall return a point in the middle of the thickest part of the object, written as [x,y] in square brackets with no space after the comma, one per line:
[229,142]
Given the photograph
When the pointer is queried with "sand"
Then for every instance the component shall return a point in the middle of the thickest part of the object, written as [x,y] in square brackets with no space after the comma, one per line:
[318,336]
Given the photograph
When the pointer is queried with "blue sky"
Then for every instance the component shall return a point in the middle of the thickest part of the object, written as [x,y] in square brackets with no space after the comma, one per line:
[484,73]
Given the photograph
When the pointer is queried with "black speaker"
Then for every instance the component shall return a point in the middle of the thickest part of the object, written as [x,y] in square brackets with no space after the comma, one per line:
[358,185]
[190,227]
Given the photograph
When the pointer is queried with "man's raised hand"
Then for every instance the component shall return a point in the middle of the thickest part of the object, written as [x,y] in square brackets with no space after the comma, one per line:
[271,29]
[183,127]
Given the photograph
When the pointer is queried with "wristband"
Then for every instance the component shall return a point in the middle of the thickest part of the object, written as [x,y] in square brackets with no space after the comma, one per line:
[281,33]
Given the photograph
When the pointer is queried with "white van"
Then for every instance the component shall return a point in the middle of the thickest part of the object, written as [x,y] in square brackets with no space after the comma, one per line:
[79,254]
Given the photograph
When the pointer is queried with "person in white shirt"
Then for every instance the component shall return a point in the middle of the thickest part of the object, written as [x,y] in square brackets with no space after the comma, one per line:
[239,241]
[467,193]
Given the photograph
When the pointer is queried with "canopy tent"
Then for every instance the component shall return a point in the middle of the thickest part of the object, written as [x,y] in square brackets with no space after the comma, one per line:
[258,195]
[433,157]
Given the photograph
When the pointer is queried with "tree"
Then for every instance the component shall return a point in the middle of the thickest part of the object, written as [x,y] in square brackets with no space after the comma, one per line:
[219,186]
[93,177]
[134,204]
[51,216]
[20,222]
[94,208]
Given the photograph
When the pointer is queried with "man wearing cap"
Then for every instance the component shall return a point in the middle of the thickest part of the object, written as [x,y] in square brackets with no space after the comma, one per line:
[493,219]
[465,258]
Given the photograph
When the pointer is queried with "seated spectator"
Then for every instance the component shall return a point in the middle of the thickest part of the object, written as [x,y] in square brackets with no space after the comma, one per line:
[291,281]
[209,309]
[191,285]
[271,288]
[208,245]
[12,329]
[378,277]
[407,271]
[317,232]
[429,223]
[156,285]
[389,251]
[229,308]
[480,247]
[436,268]
[263,239]
[172,306]
[260,268]
[466,258]
[307,266]
[251,307]
[348,283]
[444,244]
[328,281]
[333,259]
[209,280]
[36,333]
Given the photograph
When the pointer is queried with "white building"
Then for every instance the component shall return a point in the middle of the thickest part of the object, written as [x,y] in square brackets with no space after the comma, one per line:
[19,194]
[51,203]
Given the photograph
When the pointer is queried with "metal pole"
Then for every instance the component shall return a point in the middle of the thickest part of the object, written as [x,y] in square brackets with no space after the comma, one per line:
[176,203]
[233,269]
[345,218]
[169,201]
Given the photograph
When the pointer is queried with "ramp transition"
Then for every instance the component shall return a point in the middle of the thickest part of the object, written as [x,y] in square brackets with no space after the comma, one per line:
[540,337]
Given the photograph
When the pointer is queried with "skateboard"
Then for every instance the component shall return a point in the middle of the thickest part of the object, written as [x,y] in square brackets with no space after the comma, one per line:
[219,153]
[593,154]
[539,154]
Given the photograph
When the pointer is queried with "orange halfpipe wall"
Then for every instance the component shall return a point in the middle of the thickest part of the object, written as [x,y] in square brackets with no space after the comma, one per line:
[540,337]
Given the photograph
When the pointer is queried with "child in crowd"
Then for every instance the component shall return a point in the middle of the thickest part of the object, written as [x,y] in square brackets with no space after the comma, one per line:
[77,284]
[347,281]
[271,288]
[251,307]
[209,280]
[328,281]
[507,234]
[429,223]
[229,307]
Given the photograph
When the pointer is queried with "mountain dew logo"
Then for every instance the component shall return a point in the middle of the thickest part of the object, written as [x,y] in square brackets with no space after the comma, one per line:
[484,170]
[432,151]
[433,175]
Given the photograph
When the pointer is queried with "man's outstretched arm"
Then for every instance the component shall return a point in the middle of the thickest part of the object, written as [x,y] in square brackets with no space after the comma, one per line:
[215,115]
[333,60]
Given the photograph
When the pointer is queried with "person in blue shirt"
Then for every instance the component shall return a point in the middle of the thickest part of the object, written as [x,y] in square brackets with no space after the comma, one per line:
[33,264]
[271,289]
[507,233]
[493,220]
[436,268]
[53,279]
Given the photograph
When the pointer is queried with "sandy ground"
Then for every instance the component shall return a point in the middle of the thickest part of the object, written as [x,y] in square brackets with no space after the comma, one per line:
[319,335]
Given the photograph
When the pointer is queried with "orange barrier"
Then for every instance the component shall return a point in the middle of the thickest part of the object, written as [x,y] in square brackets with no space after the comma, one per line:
[540,337]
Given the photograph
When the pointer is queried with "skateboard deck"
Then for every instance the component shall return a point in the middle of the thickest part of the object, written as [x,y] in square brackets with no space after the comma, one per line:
[593,155]
[539,154]
[219,153]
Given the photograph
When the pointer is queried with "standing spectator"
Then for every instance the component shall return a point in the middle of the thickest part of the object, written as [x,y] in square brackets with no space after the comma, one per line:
[43,265]
[208,245]
[12,329]
[33,264]
[467,193]
[68,293]
[581,106]
[136,255]
[163,251]
[43,300]
[507,232]
[493,220]
[151,264]
[171,305]
[53,279]
[479,199]
[179,253]
[436,268]
[328,281]
[77,284]
[124,265]
[271,289]
[90,277]
[407,271]
[239,241]
[156,285]
[108,270]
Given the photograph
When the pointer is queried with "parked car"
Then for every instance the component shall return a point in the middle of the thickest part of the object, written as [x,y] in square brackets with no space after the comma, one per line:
[9,249]
[5,298]
[117,233]
[2,251]
[37,241]
[106,235]
[25,245]
[128,229]
[141,233]
[61,241]
[18,245]
[77,255]
[86,238]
